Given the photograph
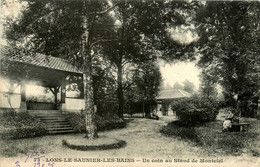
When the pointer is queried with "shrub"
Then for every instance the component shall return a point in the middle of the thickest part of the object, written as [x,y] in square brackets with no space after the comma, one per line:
[195,110]
[211,138]
[173,129]
[104,122]
[20,125]
[109,121]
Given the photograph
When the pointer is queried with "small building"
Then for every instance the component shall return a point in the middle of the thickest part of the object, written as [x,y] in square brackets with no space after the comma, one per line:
[165,98]
[47,71]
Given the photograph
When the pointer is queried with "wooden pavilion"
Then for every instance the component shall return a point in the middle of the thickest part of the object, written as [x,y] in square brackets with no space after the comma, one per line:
[46,71]
[165,97]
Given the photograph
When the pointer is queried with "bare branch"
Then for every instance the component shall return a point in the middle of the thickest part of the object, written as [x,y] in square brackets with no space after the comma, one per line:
[107,10]
[52,90]
[103,40]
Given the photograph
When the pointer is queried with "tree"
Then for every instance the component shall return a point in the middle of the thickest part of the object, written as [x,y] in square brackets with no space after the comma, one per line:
[125,50]
[177,85]
[141,32]
[46,27]
[188,86]
[167,86]
[159,20]
[229,33]
[207,87]
[145,85]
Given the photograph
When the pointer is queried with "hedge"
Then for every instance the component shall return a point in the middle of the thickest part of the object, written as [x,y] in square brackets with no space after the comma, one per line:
[195,110]
[104,122]
[20,125]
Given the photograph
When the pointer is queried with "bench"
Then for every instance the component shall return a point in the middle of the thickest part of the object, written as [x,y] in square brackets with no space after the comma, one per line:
[239,127]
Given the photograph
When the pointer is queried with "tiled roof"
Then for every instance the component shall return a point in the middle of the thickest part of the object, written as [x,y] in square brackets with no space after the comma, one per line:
[42,60]
[172,94]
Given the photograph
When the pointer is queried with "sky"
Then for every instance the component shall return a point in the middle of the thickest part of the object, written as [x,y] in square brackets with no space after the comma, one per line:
[180,71]
[171,73]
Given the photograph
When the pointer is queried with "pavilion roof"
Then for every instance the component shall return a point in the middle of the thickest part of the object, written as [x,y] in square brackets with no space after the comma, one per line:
[172,94]
[41,60]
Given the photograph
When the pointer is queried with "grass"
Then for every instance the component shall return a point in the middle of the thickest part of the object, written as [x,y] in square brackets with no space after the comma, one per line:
[19,129]
[210,137]
[11,148]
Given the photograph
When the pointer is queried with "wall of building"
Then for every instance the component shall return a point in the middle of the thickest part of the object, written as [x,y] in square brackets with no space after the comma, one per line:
[73,105]
[40,106]
[10,100]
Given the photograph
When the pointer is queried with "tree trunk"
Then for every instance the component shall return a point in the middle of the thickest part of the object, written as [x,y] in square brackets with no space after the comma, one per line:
[90,109]
[120,94]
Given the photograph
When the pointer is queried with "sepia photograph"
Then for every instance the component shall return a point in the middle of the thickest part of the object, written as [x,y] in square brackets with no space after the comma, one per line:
[125,83]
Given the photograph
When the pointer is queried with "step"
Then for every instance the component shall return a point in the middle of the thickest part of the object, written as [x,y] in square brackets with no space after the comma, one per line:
[62,132]
[44,112]
[52,118]
[57,123]
[59,128]
[49,115]
[53,121]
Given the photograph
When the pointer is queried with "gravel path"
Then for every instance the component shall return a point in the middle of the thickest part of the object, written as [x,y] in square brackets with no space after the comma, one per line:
[143,138]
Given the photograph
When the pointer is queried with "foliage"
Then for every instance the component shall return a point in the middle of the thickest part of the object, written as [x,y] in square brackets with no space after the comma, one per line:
[104,122]
[195,110]
[40,98]
[166,86]
[104,86]
[45,27]
[129,36]
[20,125]
[228,43]
[157,19]
[144,87]
[188,86]
[132,47]
[206,135]
[177,85]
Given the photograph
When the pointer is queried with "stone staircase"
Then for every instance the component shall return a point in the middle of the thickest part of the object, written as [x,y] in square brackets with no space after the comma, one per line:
[54,121]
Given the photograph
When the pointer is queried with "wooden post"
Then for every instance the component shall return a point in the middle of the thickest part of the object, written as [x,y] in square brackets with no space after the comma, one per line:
[63,92]
[23,92]
[55,93]
[23,106]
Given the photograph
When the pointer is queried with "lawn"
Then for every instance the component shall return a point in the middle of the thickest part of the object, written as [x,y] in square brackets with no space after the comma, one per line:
[210,137]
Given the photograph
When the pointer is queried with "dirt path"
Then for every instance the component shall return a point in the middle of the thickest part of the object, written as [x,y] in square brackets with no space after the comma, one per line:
[143,138]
